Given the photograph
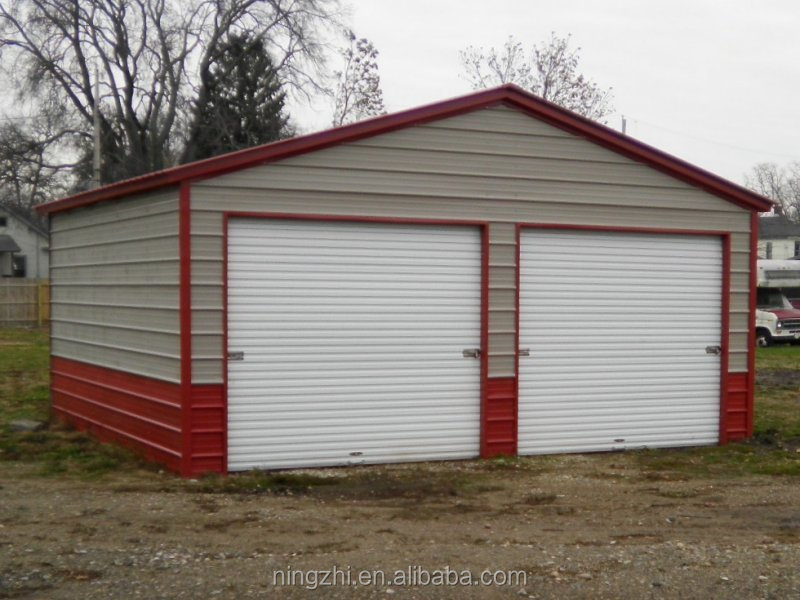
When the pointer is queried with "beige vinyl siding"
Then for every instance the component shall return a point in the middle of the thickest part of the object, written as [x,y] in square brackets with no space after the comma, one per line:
[115,271]
[495,165]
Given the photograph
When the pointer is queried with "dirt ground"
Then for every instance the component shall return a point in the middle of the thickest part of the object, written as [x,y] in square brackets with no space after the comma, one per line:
[601,526]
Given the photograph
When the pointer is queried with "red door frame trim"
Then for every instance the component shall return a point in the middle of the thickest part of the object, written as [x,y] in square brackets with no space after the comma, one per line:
[185,253]
[724,307]
[751,334]
[483,226]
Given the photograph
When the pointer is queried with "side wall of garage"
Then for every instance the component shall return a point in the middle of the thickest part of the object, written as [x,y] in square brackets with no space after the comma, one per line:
[114,271]
[496,165]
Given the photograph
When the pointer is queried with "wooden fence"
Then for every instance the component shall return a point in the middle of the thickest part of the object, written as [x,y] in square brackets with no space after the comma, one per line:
[24,302]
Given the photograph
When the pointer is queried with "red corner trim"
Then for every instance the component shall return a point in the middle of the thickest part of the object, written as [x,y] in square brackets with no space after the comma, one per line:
[185,246]
[725,340]
[225,221]
[751,334]
[509,95]
[484,387]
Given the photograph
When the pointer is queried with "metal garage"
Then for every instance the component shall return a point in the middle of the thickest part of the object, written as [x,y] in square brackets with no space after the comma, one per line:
[487,275]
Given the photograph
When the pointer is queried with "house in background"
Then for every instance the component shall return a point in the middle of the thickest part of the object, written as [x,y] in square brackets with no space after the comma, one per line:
[778,237]
[24,245]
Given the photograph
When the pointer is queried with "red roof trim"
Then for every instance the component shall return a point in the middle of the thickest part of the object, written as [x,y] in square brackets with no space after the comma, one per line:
[510,95]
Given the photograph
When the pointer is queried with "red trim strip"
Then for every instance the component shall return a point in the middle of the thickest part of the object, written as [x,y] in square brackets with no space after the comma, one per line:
[510,95]
[208,429]
[751,334]
[500,423]
[517,343]
[484,385]
[725,304]
[185,247]
[484,336]
[225,221]
[725,341]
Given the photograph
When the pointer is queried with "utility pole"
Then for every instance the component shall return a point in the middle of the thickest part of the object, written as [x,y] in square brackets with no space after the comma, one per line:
[624,126]
[96,132]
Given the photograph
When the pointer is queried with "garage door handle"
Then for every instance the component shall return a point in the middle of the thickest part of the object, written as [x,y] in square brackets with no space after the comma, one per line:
[716,350]
[524,351]
[235,355]
[471,352]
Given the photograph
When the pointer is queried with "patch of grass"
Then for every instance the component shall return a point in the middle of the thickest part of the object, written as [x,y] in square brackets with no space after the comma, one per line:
[782,357]
[59,451]
[24,394]
[777,402]
[732,460]
[777,416]
[24,374]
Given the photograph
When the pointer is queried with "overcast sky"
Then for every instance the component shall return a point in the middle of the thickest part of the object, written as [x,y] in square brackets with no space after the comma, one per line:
[714,82]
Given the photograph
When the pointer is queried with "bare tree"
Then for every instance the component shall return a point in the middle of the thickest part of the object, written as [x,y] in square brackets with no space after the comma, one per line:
[30,171]
[359,94]
[153,59]
[781,184]
[549,70]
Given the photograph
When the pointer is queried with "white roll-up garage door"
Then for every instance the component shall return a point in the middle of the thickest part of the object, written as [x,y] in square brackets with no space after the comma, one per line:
[352,339]
[622,330]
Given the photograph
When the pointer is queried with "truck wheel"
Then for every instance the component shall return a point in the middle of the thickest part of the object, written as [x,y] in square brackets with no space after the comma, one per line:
[763,338]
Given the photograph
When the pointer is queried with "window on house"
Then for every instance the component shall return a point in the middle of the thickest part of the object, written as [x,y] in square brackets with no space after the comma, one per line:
[796,247]
[3,221]
[769,249]
[18,265]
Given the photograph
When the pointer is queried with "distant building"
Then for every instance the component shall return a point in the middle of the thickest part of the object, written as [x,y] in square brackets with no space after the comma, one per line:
[24,242]
[778,237]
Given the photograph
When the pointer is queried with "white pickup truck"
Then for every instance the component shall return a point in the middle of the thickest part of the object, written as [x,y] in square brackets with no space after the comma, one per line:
[777,319]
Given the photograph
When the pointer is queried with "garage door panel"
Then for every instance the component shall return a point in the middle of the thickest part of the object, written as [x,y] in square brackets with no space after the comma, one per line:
[617,326]
[353,339]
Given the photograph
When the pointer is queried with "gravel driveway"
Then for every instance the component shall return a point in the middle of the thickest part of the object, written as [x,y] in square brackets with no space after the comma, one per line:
[577,526]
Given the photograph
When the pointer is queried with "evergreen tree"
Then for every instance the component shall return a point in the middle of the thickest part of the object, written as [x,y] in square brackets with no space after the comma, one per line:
[243,105]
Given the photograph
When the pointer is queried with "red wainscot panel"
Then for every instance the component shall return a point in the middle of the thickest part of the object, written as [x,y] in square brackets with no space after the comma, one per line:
[737,408]
[141,413]
[500,418]
[208,444]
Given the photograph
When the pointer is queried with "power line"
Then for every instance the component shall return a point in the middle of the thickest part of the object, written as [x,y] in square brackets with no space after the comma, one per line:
[712,142]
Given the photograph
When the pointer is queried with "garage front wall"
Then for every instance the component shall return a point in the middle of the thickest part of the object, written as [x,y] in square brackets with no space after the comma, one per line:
[494,165]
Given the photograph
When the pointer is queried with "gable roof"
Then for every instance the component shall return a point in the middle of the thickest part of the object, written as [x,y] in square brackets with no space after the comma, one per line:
[509,95]
[777,226]
[29,219]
